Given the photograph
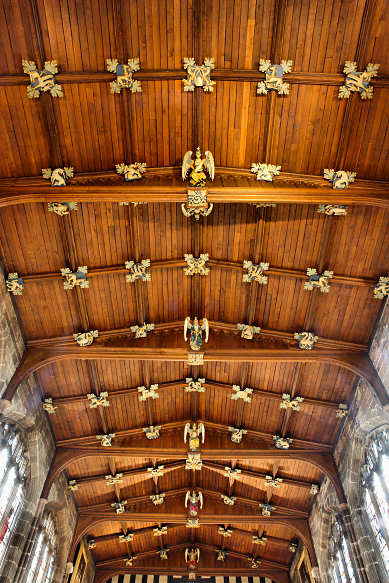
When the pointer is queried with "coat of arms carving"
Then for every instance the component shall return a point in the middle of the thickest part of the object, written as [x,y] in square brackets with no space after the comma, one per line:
[43,80]
[73,278]
[58,176]
[198,75]
[138,271]
[197,205]
[14,284]
[124,75]
[274,77]
[318,280]
[358,81]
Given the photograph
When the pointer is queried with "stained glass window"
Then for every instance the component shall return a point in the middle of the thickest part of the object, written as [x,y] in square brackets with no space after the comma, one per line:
[41,568]
[13,467]
[341,564]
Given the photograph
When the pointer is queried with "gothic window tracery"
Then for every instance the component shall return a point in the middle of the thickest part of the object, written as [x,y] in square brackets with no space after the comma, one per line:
[341,564]
[42,565]
[13,471]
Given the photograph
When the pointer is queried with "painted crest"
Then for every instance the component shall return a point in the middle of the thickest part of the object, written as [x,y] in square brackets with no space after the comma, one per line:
[163,554]
[315,489]
[192,556]
[265,171]
[194,432]
[58,176]
[231,473]
[288,403]
[226,532]
[73,486]
[382,288]
[293,547]
[49,406]
[14,284]
[237,434]
[199,75]
[124,78]
[155,472]
[244,394]
[152,432]
[42,81]
[259,540]
[332,209]
[100,400]
[158,499]
[340,178]
[73,278]
[129,561]
[197,168]
[193,462]
[196,265]
[247,331]
[137,270]
[193,502]
[255,272]
[318,280]
[85,338]
[196,332]
[160,531]
[142,331]
[267,508]
[126,538]
[342,411]
[106,440]
[91,544]
[274,77]
[271,482]
[282,442]
[358,81]
[131,171]
[150,393]
[197,205]
[62,208]
[306,340]
[221,555]
[192,523]
[229,500]
[194,386]
[111,480]
[119,507]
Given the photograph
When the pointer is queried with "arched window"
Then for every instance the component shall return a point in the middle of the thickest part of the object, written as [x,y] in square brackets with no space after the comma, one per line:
[375,480]
[341,563]
[13,467]
[42,563]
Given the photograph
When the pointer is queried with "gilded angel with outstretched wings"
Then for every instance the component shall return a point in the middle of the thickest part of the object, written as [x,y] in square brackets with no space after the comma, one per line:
[194,431]
[196,332]
[198,167]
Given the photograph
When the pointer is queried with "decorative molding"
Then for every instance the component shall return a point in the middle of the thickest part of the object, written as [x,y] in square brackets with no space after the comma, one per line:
[106,440]
[150,393]
[288,402]
[243,394]
[265,172]
[340,178]
[58,176]
[100,400]
[152,432]
[43,80]
[119,507]
[142,331]
[338,210]
[320,281]
[199,75]
[85,338]
[282,442]
[62,208]
[138,270]
[274,77]
[194,385]
[75,278]
[158,499]
[14,284]
[131,171]
[255,272]
[196,265]
[306,340]
[124,75]
[49,406]
[247,331]
[381,289]
[358,81]
[114,480]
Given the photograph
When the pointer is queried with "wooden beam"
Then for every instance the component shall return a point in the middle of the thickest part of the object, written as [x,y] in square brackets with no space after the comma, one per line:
[168,467]
[66,456]
[231,185]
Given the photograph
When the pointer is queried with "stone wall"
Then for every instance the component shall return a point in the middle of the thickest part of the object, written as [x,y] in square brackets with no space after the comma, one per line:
[365,416]
[27,414]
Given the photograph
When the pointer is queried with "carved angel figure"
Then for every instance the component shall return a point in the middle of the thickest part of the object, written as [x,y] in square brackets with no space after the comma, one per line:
[196,332]
[193,501]
[194,431]
[192,556]
[197,167]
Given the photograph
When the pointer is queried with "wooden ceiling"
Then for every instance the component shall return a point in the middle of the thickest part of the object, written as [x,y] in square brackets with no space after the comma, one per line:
[92,130]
